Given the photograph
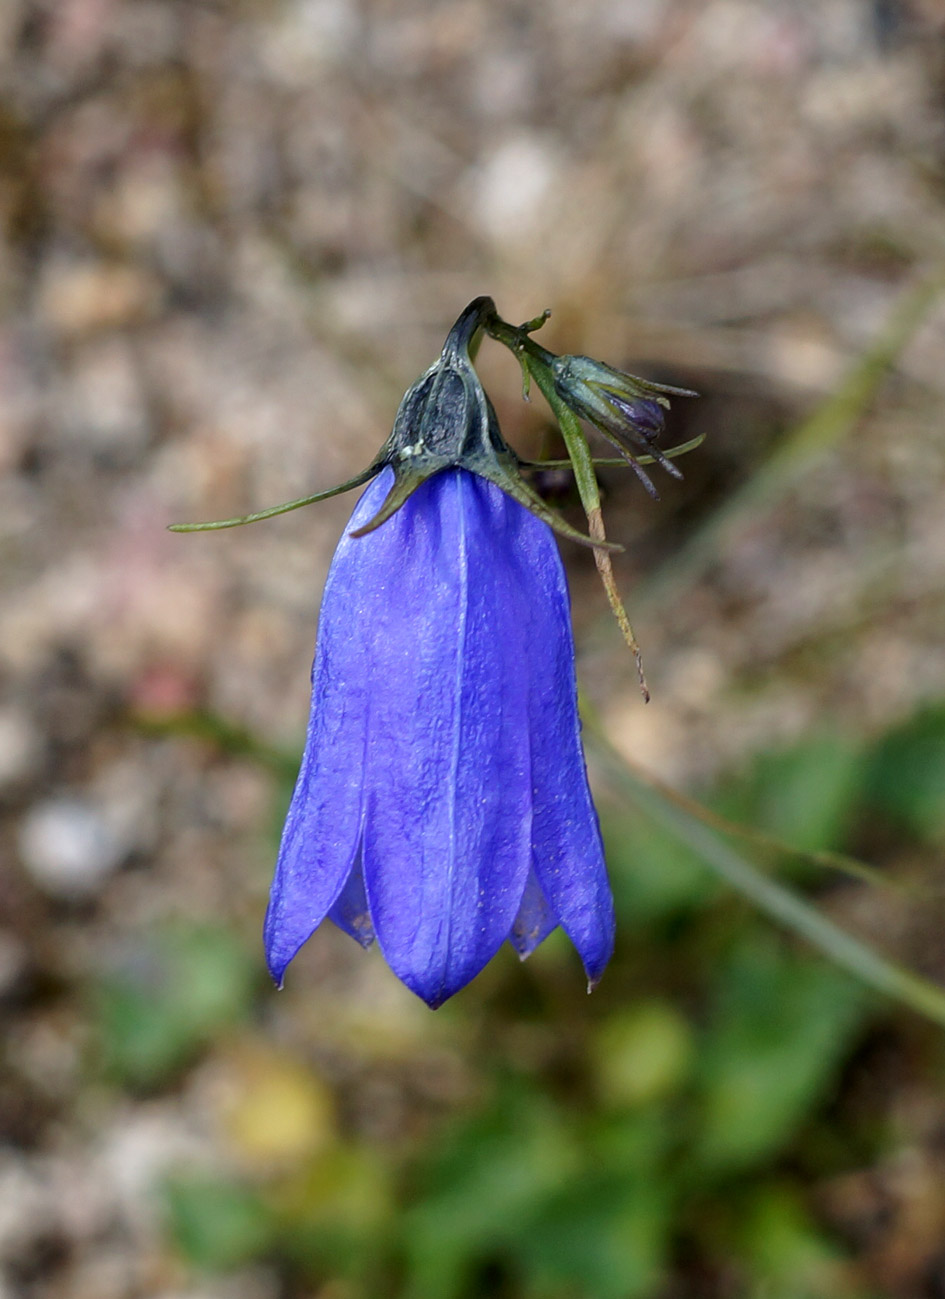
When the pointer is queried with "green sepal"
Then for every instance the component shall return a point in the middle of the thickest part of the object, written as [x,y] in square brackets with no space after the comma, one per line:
[364,476]
[406,482]
[446,421]
[519,490]
[616,463]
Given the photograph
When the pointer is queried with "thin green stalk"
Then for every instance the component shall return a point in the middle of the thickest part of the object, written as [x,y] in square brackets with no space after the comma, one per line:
[579,452]
[585,477]
[618,462]
[832,421]
[824,859]
[776,901]
[273,510]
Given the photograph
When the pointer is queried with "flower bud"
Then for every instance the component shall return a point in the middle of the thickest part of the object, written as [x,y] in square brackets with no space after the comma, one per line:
[626,409]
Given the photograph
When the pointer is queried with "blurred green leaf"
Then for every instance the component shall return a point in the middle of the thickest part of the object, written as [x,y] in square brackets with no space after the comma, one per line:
[336,1215]
[227,737]
[605,1234]
[606,1239]
[806,795]
[785,1251]
[781,904]
[641,1054]
[655,876]
[215,1224]
[780,1025]
[182,986]
[485,1186]
[906,776]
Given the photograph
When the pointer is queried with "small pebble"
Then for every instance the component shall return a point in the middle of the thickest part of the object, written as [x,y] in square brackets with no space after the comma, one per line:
[68,847]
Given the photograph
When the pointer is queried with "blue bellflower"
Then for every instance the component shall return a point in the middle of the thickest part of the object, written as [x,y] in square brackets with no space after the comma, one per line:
[442,804]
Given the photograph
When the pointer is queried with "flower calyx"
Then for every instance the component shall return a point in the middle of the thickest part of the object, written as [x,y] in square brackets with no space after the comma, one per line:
[446,421]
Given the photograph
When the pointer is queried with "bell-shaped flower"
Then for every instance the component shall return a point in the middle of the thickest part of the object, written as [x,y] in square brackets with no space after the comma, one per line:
[442,805]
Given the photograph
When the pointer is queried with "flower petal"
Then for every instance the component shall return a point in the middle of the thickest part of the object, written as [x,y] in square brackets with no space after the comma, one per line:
[447,837]
[350,911]
[323,826]
[568,852]
[535,919]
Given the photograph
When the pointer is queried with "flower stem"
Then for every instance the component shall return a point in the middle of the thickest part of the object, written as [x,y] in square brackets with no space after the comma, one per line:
[586,479]
[778,902]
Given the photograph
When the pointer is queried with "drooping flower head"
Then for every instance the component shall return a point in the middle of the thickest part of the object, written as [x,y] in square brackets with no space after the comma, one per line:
[442,806]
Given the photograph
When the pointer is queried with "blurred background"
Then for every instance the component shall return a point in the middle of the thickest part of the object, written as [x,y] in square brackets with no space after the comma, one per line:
[233,232]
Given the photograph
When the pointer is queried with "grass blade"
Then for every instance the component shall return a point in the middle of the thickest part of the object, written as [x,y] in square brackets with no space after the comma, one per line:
[832,421]
[779,903]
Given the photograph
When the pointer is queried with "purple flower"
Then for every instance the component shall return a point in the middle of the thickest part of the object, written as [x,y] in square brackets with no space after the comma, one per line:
[442,804]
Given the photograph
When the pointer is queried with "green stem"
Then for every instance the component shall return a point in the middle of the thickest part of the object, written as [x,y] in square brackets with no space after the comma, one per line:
[800,450]
[582,463]
[579,452]
[783,906]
